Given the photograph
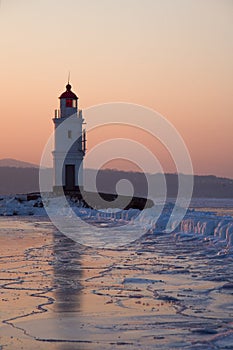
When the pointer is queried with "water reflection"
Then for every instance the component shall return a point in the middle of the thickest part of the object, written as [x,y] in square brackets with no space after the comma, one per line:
[67,288]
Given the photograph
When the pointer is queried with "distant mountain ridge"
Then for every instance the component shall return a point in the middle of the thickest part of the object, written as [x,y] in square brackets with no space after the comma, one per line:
[14,163]
[23,177]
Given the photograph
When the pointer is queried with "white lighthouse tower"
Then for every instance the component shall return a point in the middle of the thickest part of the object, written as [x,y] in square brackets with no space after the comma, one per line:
[69,144]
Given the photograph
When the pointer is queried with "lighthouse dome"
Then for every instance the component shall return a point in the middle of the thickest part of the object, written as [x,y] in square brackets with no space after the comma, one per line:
[68,93]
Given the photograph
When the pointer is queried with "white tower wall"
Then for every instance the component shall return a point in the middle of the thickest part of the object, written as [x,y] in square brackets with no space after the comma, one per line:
[68,144]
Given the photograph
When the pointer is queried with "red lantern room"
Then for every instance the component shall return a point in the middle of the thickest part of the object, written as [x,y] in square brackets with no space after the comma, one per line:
[68,102]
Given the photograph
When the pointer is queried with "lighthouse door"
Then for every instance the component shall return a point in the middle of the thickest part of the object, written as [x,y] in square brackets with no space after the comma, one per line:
[70,177]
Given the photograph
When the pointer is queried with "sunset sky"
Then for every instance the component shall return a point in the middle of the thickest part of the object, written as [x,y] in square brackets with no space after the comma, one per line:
[174,56]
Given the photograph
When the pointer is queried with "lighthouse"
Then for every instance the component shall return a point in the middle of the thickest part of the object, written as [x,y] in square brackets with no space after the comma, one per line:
[69,144]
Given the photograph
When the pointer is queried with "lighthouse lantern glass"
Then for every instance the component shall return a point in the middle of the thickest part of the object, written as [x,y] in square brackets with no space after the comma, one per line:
[69,103]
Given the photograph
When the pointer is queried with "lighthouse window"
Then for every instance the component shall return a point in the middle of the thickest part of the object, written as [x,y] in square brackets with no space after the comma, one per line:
[69,103]
[69,134]
[74,103]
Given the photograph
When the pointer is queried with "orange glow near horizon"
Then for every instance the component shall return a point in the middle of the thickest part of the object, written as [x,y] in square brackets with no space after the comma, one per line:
[108,132]
[172,56]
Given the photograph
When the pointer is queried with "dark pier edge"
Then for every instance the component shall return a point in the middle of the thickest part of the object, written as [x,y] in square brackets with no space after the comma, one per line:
[92,197]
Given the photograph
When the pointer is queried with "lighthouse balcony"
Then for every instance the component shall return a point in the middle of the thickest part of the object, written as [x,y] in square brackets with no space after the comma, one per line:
[57,114]
[74,112]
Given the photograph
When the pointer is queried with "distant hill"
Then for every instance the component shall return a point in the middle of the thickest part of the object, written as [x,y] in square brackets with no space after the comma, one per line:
[13,163]
[208,186]
[16,179]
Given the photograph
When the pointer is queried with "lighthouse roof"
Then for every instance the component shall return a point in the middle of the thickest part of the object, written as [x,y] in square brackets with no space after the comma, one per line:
[68,93]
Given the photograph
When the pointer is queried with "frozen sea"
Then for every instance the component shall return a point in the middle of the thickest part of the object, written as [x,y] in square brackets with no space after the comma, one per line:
[161,291]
